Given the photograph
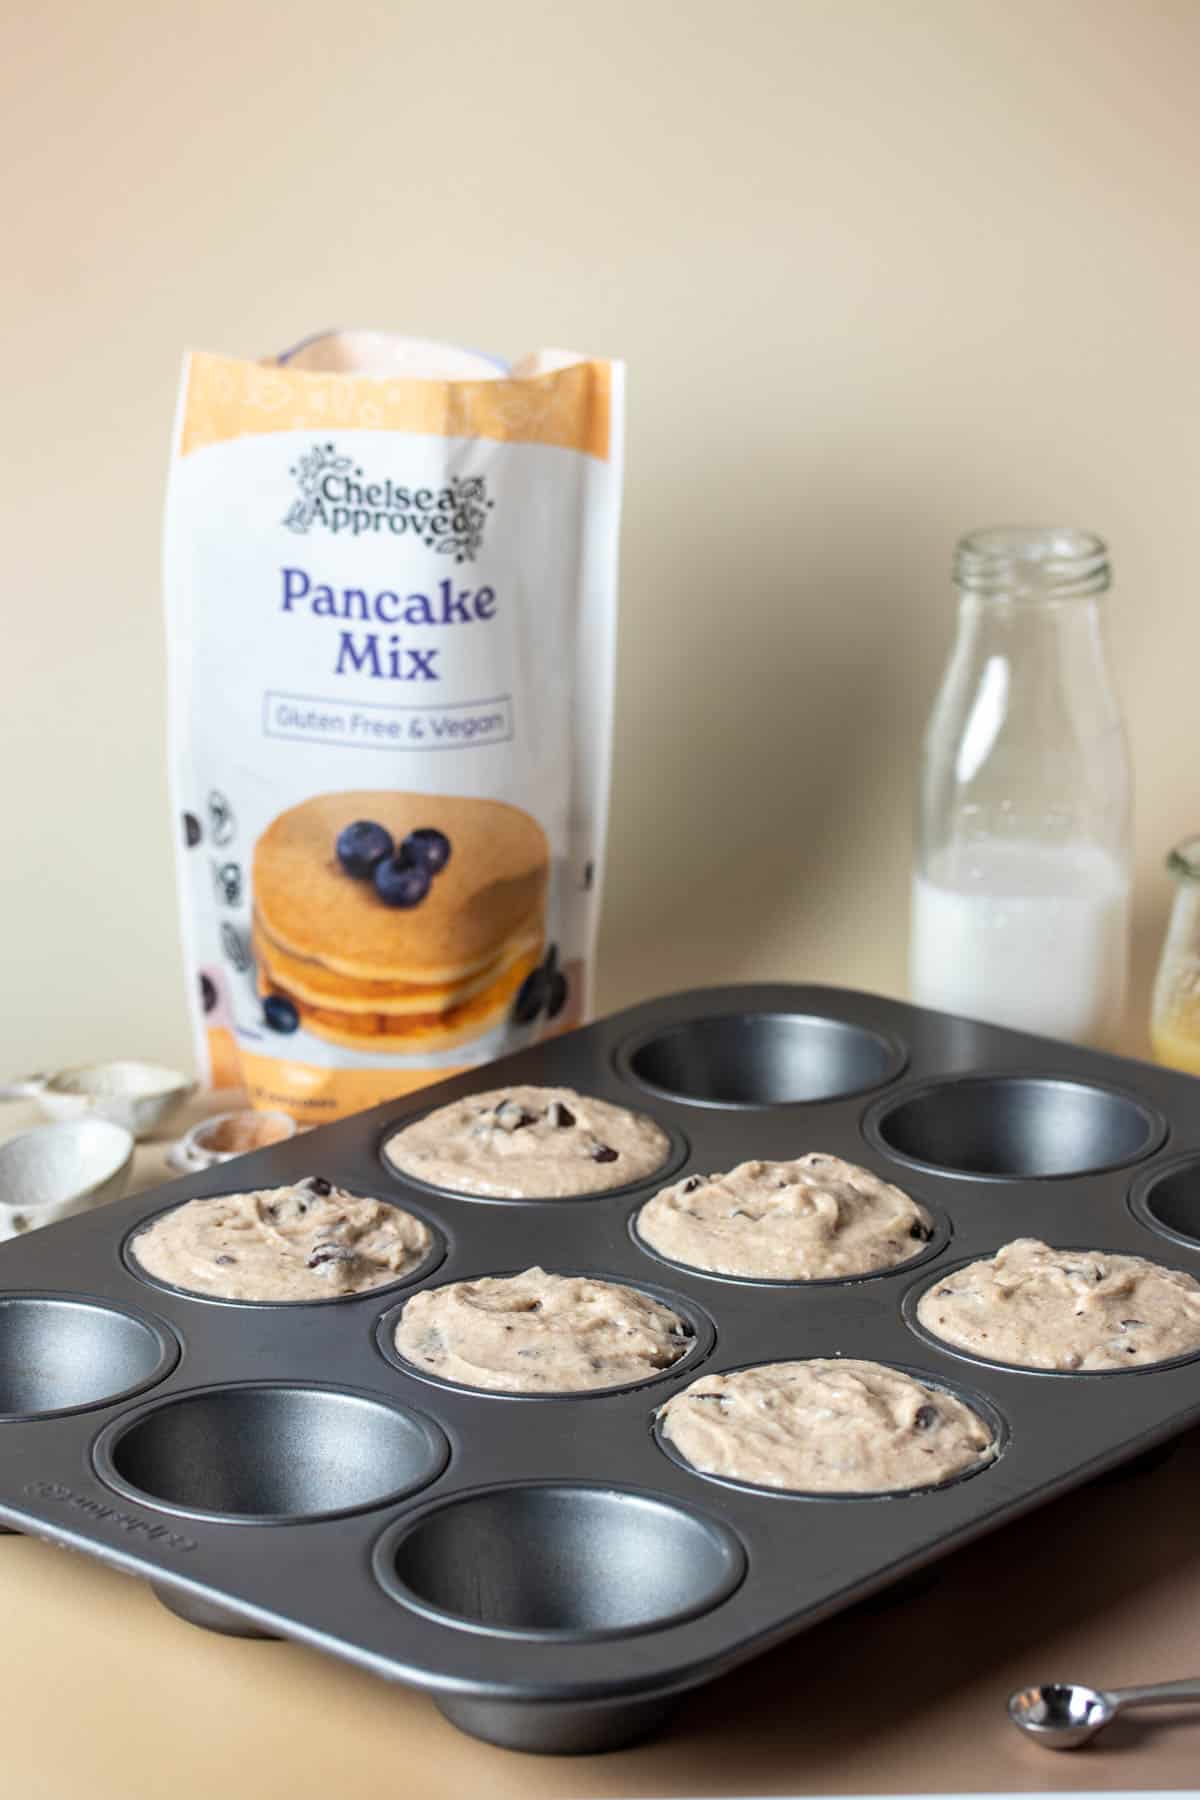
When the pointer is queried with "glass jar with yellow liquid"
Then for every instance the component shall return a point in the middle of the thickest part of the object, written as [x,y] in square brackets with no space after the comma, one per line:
[1175,1018]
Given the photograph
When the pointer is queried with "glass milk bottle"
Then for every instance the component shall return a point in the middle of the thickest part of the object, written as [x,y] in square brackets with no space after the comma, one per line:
[1020,911]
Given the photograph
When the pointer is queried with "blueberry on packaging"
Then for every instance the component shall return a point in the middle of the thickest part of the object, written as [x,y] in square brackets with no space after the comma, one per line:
[391,570]
[556,997]
[428,847]
[279,1014]
[401,883]
[531,997]
[543,993]
[361,848]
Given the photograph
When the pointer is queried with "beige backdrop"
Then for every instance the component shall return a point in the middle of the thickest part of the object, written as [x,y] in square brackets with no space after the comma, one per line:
[880,271]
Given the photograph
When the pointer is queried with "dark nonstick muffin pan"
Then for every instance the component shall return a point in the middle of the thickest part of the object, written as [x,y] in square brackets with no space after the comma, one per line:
[544,1565]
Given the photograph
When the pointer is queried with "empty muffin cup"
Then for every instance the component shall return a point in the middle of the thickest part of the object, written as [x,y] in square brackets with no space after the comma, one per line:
[560,1561]
[1167,1199]
[1015,1127]
[761,1059]
[270,1453]
[60,1355]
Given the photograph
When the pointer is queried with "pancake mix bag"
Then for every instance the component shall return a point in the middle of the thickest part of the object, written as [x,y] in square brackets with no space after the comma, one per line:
[391,601]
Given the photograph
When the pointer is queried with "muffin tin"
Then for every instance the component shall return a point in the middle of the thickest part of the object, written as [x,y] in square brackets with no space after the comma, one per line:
[541,1564]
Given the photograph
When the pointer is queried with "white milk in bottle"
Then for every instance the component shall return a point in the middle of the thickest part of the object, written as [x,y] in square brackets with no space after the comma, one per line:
[1020,903]
[1024,936]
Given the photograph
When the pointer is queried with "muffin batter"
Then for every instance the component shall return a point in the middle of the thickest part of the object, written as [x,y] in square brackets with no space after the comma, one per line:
[826,1426]
[529,1143]
[539,1333]
[1065,1309]
[807,1220]
[307,1242]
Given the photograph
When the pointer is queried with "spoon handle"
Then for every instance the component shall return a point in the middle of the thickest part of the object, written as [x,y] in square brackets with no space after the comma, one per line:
[1161,1693]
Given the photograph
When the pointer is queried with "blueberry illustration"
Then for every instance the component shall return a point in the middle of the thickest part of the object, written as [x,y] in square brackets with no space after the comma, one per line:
[279,1013]
[427,846]
[191,830]
[531,997]
[208,992]
[362,847]
[401,883]
[556,998]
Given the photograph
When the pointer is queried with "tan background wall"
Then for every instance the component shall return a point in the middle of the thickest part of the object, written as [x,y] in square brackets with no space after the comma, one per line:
[881,271]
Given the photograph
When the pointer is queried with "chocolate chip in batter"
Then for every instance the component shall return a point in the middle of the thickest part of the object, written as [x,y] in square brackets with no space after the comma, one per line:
[321,1255]
[560,1116]
[692,1183]
[223,1259]
[317,1184]
[922,1233]
[604,1153]
[925,1418]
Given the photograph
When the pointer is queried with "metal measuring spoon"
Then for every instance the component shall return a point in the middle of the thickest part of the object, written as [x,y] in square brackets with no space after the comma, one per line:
[1062,1715]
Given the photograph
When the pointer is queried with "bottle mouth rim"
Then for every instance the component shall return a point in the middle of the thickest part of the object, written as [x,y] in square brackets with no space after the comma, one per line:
[1041,561]
[1184,860]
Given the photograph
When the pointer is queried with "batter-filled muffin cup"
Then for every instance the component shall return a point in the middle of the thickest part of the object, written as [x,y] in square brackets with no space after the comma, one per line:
[814,1219]
[540,1333]
[529,1143]
[825,1426]
[1072,1311]
[310,1241]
